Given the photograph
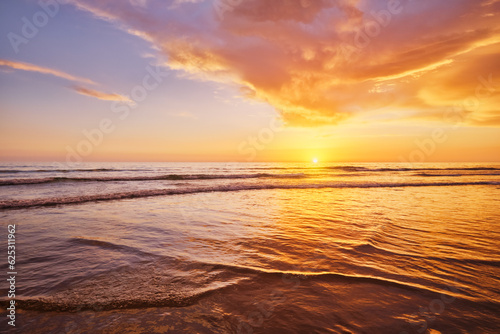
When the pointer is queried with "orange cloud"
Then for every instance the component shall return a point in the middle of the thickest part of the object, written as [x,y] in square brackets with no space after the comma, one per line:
[321,62]
[101,95]
[44,70]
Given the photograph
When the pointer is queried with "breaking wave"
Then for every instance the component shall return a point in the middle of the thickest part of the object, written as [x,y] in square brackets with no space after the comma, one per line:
[26,203]
[172,177]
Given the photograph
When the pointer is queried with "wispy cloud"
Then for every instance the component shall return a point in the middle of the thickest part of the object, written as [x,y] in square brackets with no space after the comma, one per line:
[100,95]
[44,70]
[321,62]
[14,65]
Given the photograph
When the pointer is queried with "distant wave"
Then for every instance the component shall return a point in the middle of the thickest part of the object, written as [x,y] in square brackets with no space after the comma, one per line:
[349,168]
[455,175]
[443,175]
[17,204]
[12,182]
[353,168]
[11,171]
[298,173]
[405,169]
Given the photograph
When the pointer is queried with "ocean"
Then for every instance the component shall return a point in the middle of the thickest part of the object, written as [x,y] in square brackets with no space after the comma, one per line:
[252,247]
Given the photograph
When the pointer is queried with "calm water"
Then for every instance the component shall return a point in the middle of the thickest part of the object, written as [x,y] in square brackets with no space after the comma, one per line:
[254,248]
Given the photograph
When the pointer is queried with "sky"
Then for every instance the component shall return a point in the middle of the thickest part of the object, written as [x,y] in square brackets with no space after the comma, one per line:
[250,80]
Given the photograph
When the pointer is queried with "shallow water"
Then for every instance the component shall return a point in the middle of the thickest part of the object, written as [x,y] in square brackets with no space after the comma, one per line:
[254,248]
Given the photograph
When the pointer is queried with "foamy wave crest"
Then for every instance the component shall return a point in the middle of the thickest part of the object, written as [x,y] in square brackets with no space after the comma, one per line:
[15,182]
[81,304]
[99,294]
[26,203]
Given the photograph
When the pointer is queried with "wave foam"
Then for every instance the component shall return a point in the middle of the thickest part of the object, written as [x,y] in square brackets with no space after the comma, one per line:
[26,203]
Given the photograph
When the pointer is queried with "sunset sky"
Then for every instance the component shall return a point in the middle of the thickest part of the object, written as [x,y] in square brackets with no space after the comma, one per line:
[250,80]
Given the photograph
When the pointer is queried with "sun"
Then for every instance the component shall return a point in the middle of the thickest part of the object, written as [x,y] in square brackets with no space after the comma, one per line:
[315,160]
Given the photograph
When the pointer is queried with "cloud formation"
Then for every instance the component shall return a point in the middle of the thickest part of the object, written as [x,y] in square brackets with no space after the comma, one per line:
[44,70]
[100,95]
[320,62]
[79,80]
